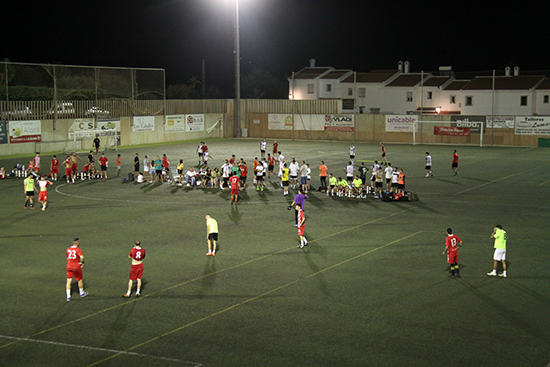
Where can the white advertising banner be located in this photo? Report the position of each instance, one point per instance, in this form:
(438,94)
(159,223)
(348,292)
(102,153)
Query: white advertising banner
(175,124)
(25,131)
(108,123)
(279,122)
(194,123)
(526,125)
(401,123)
(338,122)
(500,122)
(143,123)
(82,124)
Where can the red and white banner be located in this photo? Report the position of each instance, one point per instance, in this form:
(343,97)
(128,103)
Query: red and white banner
(451,130)
(25,131)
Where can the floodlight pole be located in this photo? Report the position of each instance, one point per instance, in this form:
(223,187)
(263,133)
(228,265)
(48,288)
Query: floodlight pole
(237,70)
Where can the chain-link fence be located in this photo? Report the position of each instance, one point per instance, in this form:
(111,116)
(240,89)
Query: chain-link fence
(50,91)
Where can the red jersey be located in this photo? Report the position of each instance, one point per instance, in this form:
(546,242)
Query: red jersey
(204,148)
(384,149)
(73,257)
(451,242)
(103,160)
(244,171)
(36,161)
(234,182)
(86,167)
(118,161)
(232,161)
(55,162)
(271,161)
(165,162)
(455,158)
(137,254)
(67,163)
(301,218)
(275,148)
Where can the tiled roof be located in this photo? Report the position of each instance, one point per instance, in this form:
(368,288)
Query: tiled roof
(375,76)
(406,80)
(311,73)
(335,74)
(456,85)
(503,82)
(544,85)
(436,81)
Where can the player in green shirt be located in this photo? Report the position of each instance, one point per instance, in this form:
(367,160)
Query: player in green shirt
(357,184)
(332,181)
(342,186)
(211,234)
(285,178)
(29,187)
(500,237)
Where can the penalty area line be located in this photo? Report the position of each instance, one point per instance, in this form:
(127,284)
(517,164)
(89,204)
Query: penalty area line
(118,352)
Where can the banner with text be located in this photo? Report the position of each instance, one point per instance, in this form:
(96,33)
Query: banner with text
(25,131)
(400,123)
(451,131)
(532,125)
(473,122)
(339,122)
(175,124)
(82,124)
(279,122)
(194,123)
(143,123)
(500,122)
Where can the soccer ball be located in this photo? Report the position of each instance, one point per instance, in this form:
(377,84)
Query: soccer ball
(188,184)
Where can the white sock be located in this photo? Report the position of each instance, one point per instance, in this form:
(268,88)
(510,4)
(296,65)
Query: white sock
(81,291)
(68,293)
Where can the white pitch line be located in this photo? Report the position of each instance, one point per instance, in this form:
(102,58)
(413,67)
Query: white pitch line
(98,349)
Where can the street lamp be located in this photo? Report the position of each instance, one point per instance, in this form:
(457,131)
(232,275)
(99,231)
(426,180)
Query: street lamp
(237,70)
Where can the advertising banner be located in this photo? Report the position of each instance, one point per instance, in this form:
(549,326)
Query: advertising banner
(526,125)
(82,124)
(473,122)
(279,122)
(175,124)
(339,123)
(3,133)
(25,131)
(451,131)
(108,123)
(400,123)
(143,123)
(194,123)
(500,122)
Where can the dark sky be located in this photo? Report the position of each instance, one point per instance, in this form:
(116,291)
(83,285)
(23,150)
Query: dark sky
(279,36)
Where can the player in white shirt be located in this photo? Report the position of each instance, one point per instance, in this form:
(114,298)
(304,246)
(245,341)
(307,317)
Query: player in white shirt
(352,153)
(294,168)
(395,180)
(375,167)
(260,172)
(226,172)
(350,170)
(428,165)
(263,145)
(389,172)
(281,163)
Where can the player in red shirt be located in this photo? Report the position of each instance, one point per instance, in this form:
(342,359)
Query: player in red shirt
(43,195)
(383,154)
(68,169)
(275,149)
(232,160)
(36,161)
(270,165)
(103,162)
(301,226)
(451,250)
(137,254)
(75,262)
(244,173)
(455,162)
(234,181)
(54,168)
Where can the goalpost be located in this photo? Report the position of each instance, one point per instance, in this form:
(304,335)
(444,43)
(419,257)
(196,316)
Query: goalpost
(419,133)
(110,141)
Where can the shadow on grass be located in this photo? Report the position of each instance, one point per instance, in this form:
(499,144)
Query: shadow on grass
(235,216)
(448,181)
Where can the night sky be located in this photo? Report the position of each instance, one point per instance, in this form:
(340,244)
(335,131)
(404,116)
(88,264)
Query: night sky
(280,36)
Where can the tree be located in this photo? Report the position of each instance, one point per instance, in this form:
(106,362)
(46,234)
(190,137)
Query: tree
(262,84)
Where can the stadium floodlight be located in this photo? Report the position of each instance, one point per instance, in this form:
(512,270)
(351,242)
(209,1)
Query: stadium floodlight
(237,70)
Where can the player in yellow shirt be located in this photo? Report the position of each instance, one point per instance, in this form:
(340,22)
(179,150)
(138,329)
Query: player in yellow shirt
(500,237)
(285,179)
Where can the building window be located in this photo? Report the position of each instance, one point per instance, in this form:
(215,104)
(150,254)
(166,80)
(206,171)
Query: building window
(469,101)
(523,101)
(329,87)
(409,96)
(310,88)
(350,91)
(545,99)
(452,99)
(362,93)
(429,96)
